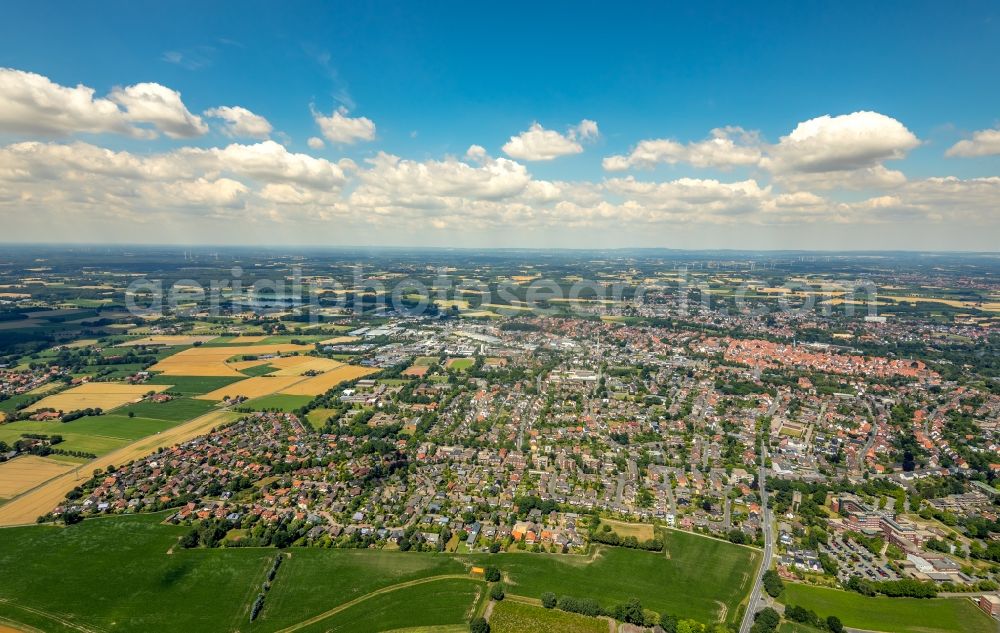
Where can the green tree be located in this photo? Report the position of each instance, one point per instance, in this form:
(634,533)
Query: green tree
(479,625)
(773,584)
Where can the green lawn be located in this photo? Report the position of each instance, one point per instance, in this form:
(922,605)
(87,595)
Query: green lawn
(282,402)
(318,417)
(435,604)
(178,409)
(893,615)
(91,434)
(193,385)
(699,573)
(517,617)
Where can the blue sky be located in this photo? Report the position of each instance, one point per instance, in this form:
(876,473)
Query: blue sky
(437,78)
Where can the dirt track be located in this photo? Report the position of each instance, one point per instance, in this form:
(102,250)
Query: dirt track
(41,500)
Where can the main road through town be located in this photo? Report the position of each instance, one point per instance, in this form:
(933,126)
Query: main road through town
(756,601)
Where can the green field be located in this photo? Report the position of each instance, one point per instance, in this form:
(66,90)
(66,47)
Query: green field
(318,417)
(315,580)
(91,434)
(258,370)
(518,617)
(683,584)
(795,627)
(461,364)
(441,603)
(178,409)
(279,401)
(10,404)
(893,615)
(133,584)
(115,574)
(193,385)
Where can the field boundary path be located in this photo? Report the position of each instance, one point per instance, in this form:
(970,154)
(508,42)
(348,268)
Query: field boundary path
(377,592)
(24,509)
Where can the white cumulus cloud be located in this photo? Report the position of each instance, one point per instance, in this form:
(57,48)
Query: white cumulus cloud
(240,122)
(719,151)
(841,143)
(982,143)
(342,129)
(537,143)
(33,104)
(160,106)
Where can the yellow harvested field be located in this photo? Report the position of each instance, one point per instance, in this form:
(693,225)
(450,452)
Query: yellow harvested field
(24,473)
(85,342)
(340,339)
(298,365)
(105,395)
(324,382)
(167,339)
(988,307)
(252,387)
(211,361)
(43,499)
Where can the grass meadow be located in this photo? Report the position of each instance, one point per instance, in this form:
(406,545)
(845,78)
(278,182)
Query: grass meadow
(893,615)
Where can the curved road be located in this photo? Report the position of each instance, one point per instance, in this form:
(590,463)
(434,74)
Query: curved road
(756,601)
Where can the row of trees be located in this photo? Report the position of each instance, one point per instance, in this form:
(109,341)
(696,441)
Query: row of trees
(905,588)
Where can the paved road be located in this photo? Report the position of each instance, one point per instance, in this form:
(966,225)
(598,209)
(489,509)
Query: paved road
(756,601)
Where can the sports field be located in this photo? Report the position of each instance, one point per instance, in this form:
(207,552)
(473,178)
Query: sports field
(24,473)
(517,617)
(891,615)
(41,500)
(460,364)
(104,395)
